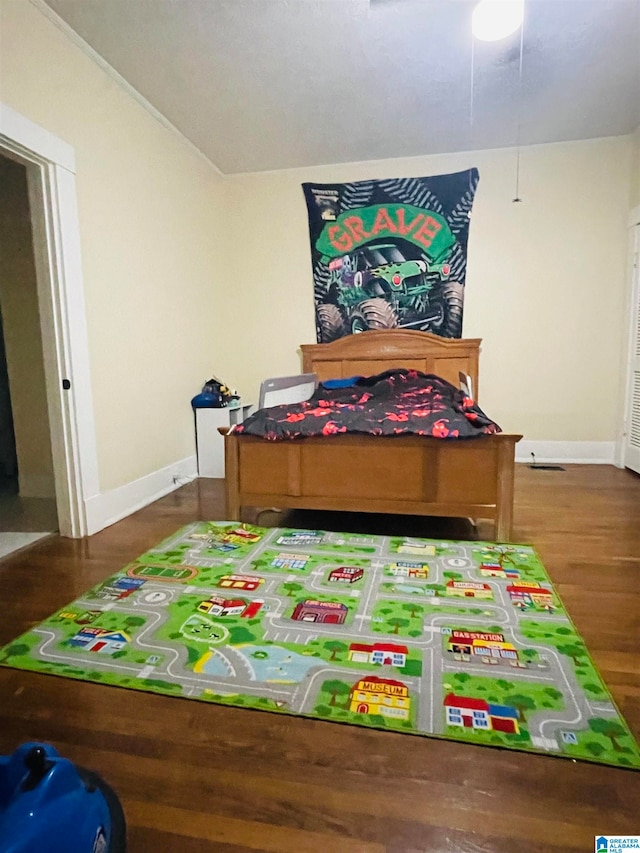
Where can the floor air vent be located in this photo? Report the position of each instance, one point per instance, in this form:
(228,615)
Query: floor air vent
(540,466)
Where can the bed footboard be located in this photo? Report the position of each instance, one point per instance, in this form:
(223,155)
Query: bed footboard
(412,475)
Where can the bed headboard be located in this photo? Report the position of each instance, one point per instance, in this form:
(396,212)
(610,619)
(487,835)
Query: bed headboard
(374,351)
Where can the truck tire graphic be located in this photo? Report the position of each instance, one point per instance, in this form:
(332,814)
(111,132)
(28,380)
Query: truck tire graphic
(379,314)
(330,322)
(357,322)
(449,300)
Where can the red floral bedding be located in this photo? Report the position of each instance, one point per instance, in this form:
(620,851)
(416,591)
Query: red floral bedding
(391,403)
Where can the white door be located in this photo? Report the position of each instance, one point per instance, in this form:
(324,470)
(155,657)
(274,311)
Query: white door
(632,432)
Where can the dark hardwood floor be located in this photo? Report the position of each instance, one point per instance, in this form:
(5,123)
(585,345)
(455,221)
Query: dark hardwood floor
(199,777)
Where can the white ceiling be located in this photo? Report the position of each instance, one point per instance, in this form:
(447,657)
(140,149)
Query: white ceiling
(274,84)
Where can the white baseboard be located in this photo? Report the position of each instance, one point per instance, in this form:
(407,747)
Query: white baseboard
(109,507)
(581,452)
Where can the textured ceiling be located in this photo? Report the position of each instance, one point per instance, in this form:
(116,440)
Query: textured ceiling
(274,84)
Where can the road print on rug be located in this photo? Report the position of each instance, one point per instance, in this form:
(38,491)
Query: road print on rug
(460,640)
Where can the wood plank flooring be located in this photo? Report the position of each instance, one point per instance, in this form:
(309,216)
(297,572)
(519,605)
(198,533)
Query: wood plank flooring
(196,777)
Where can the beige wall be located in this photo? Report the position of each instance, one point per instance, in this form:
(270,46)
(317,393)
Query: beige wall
(545,282)
(188,274)
(150,226)
(23,343)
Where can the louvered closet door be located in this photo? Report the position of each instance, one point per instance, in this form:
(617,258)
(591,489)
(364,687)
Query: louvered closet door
(632,440)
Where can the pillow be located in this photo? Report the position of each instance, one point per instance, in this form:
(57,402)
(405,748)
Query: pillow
(341,383)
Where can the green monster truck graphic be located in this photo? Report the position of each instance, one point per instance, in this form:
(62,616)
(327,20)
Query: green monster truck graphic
(394,272)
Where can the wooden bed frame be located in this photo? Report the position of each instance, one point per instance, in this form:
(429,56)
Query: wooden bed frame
(412,475)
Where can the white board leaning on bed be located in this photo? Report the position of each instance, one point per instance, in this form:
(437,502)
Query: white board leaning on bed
(282,390)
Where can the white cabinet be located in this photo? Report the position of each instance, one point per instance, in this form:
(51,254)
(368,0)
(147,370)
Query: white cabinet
(209,442)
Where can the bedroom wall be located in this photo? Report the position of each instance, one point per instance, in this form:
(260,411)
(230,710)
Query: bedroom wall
(151,216)
(545,282)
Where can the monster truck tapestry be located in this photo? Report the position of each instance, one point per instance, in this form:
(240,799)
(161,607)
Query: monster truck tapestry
(390,253)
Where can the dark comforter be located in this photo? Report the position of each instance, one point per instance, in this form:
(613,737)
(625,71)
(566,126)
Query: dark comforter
(391,403)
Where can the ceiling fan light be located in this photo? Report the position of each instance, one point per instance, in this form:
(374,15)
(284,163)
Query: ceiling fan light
(493,20)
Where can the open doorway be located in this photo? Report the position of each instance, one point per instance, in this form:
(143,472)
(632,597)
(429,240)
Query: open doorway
(27,482)
(51,182)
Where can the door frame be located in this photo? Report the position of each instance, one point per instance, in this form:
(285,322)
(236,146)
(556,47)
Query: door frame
(632,300)
(50,165)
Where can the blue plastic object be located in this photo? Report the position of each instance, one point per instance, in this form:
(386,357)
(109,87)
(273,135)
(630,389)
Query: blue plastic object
(208,401)
(341,383)
(49,804)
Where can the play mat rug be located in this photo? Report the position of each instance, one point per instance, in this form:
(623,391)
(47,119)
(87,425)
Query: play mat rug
(461,640)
